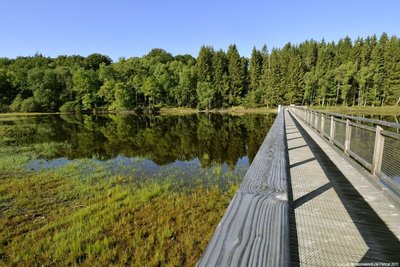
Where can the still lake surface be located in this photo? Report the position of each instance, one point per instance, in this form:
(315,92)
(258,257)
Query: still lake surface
(213,148)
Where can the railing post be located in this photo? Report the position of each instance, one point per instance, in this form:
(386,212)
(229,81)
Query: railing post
(322,124)
(307,112)
(378,151)
(332,133)
(314,119)
(347,137)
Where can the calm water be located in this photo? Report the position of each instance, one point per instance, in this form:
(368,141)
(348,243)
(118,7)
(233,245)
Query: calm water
(217,148)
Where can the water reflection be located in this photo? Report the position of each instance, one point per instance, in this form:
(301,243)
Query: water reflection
(161,139)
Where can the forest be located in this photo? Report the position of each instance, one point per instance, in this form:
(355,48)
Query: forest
(363,72)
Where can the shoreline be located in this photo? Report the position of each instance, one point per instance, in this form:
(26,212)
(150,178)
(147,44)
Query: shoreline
(351,110)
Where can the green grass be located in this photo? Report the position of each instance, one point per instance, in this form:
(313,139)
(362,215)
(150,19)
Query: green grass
(362,110)
(238,110)
(81,214)
(48,219)
(178,111)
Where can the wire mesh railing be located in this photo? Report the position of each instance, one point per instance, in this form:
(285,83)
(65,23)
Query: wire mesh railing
(326,128)
(372,143)
(340,132)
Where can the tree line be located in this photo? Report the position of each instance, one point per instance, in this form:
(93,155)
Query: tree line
(361,72)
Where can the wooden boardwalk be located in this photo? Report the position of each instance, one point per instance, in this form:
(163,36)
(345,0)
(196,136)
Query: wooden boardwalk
(303,203)
(254,230)
(338,217)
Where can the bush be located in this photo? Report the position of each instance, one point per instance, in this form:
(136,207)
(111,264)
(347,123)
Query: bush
(4,108)
(71,106)
(16,104)
(29,105)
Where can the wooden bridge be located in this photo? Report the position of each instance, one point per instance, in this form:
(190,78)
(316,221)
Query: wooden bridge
(323,190)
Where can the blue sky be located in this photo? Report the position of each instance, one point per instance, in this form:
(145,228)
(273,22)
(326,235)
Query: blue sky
(123,28)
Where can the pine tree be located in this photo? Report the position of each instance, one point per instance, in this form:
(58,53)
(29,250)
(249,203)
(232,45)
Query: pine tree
(220,66)
(265,76)
(205,73)
(236,76)
(391,89)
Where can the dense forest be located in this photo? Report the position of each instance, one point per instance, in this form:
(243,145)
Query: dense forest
(361,72)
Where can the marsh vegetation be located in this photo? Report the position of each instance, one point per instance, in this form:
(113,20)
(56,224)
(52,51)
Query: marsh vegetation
(119,189)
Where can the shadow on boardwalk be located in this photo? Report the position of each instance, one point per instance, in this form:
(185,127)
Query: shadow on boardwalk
(383,245)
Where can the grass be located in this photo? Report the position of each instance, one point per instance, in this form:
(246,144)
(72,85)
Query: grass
(47,219)
(82,214)
(362,110)
(239,110)
(17,115)
(178,111)
(11,114)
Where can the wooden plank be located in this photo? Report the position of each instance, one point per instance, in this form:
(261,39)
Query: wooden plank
(254,230)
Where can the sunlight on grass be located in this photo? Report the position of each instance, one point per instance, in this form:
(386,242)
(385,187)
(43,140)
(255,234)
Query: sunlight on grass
(48,219)
(62,202)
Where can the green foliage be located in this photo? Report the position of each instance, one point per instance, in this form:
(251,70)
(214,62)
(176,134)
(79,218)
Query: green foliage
(71,106)
(29,105)
(363,72)
(236,76)
(205,76)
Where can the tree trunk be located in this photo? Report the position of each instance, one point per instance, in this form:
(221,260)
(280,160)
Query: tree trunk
(337,95)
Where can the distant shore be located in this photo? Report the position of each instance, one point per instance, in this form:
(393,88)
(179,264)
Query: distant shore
(353,110)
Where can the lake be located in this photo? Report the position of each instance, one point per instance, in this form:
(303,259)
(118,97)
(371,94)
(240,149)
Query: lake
(107,189)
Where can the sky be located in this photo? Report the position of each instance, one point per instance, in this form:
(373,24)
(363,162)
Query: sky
(128,28)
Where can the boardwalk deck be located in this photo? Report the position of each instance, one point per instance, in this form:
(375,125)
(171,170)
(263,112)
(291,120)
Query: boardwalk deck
(302,203)
(255,228)
(338,217)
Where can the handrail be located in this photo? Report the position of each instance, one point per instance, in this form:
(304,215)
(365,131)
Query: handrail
(355,118)
(374,148)
(254,230)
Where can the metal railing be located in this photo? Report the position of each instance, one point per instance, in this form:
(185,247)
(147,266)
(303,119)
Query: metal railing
(369,142)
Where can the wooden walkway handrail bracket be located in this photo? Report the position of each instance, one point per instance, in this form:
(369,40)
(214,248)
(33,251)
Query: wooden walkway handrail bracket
(254,230)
